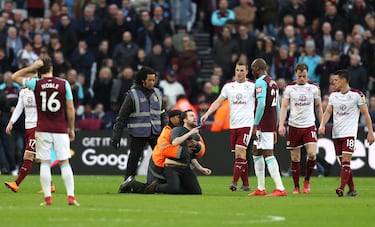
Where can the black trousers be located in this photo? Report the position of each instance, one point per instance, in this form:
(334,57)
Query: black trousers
(179,181)
(137,145)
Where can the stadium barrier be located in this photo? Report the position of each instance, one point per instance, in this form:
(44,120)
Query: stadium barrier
(93,154)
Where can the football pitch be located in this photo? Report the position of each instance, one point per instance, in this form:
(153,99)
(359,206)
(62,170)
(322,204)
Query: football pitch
(102,206)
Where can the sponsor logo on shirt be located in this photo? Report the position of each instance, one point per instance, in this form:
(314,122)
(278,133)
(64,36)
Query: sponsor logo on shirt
(258,90)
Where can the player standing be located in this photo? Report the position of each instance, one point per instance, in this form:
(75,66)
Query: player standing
(345,104)
(53,96)
(240,94)
(264,130)
(301,96)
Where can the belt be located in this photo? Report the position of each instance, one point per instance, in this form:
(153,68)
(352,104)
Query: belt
(175,166)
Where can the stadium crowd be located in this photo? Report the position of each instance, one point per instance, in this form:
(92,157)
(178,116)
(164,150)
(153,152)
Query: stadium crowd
(98,45)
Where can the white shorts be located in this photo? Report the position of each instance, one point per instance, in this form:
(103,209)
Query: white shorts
(45,141)
(265,140)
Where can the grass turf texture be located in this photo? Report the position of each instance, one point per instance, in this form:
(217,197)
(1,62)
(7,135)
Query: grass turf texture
(102,206)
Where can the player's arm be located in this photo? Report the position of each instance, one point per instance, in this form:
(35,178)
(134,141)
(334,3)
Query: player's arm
(261,92)
(327,114)
(283,112)
(19,76)
(214,106)
(165,147)
(370,132)
(203,170)
(200,148)
(319,109)
(15,115)
(70,111)
(180,139)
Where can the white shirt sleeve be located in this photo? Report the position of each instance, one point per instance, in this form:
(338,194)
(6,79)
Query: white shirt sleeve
(18,110)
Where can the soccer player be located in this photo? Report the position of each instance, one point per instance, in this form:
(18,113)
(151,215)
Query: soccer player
(264,130)
(53,97)
(26,102)
(240,94)
(345,104)
(301,96)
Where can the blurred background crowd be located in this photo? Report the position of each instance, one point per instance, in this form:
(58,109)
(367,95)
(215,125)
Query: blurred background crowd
(98,46)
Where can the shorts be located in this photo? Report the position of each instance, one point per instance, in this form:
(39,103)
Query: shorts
(344,145)
(45,141)
(30,140)
(265,141)
(298,137)
(240,137)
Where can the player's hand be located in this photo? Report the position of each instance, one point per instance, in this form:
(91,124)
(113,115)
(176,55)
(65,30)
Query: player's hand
(282,130)
(203,118)
(206,171)
(321,130)
(9,128)
(38,63)
(194,131)
(72,134)
(192,143)
(115,143)
(254,135)
(370,138)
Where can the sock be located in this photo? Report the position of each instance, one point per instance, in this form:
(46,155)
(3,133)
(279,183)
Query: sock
(237,169)
(67,176)
(296,172)
(345,174)
(259,168)
(273,169)
(309,168)
(350,181)
(45,178)
(245,173)
(24,170)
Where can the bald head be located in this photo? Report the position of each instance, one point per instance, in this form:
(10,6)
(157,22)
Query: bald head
(258,67)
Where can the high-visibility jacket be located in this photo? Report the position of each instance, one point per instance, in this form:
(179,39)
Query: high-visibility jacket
(221,119)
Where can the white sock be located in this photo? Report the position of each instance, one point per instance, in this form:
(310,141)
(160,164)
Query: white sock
(67,176)
(45,178)
(259,168)
(273,169)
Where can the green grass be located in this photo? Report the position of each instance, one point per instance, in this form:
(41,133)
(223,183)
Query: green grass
(102,206)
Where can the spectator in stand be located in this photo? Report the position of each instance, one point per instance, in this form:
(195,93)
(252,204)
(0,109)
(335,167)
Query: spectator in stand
(269,50)
(208,93)
(125,52)
(302,28)
(35,8)
(293,8)
(88,120)
(101,9)
(5,61)
(221,120)
(145,32)
(245,14)
(121,84)
(88,93)
(37,43)
(324,41)
(82,61)
(246,42)
(13,45)
(162,25)
(267,14)
(54,44)
(358,74)
(182,13)
(157,60)
(183,104)
(357,13)
(60,65)
(290,36)
(180,38)
(340,41)
(328,64)
(67,36)
(169,50)
(90,29)
(25,31)
(3,31)
(8,9)
(331,16)
(215,81)
(225,52)
(171,87)
(77,90)
(102,88)
(220,16)
(27,53)
(140,59)
(188,68)
(117,28)
(56,12)
(130,14)
(312,59)
(47,31)
(283,64)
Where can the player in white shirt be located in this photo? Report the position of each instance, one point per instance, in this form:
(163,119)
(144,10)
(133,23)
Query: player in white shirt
(346,104)
(241,97)
(301,97)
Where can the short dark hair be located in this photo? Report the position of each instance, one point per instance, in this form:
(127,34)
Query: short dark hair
(141,75)
(184,113)
(301,66)
(244,63)
(47,65)
(343,73)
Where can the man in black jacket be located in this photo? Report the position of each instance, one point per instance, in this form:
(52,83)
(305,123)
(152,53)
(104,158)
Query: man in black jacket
(141,114)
